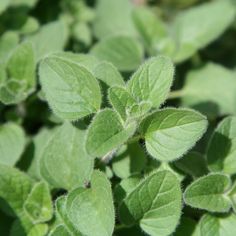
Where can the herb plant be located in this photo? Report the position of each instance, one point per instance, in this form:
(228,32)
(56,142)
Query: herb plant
(117,118)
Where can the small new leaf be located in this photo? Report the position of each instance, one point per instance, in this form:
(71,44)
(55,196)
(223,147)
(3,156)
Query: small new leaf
(38,205)
(107,132)
(152,81)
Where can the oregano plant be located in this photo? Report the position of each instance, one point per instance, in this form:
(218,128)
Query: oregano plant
(117,118)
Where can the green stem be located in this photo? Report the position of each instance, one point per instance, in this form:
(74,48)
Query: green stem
(119,227)
(176,94)
(135,139)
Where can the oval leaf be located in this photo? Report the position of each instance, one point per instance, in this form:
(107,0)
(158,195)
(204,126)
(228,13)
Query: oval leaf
(152,81)
(208,193)
(155,203)
(71,90)
(169,133)
(106,133)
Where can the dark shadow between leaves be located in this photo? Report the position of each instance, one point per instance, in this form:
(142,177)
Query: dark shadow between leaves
(218,151)
(208,108)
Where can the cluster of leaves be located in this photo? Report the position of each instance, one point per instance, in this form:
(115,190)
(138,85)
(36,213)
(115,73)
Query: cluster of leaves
(101,106)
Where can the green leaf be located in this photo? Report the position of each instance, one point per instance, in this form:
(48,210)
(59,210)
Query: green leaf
(125,52)
(107,132)
(3,5)
(21,81)
(208,192)
(118,23)
(91,211)
(62,217)
(60,230)
(193,164)
(14,187)
(88,61)
(38,230)
(30,26)
(217,225)
(35,149)
(121,100)
(155,203)
(108,74)
(150,27)
(152,81)
(232,196)
(38,206)
(221,150)
(70,89)
(8,42)
(12,143)
(169,133)
(203,90)
(65,163)
(50,38)
(191,35)
(125,187)
(130,159)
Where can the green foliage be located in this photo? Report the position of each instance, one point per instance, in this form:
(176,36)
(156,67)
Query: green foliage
(64,162)
(170,132)
(12,142)
(155,203)
(208,192)
(222,147)
(117,118)
(68,93)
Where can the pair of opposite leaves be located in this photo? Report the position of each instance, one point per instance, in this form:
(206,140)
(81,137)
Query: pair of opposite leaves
(72,90)
(153,203)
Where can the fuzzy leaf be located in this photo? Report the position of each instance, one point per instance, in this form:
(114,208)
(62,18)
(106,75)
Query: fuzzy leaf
(217,225)
(221,151)
(152,81)
(155,203)
(108,74)
(208,193)
(123,51)
(169,133)
(88,61)
(91,211)
(38,205)
(121,100)
(106,133)
(14,187)
(65,163)
(70,89)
